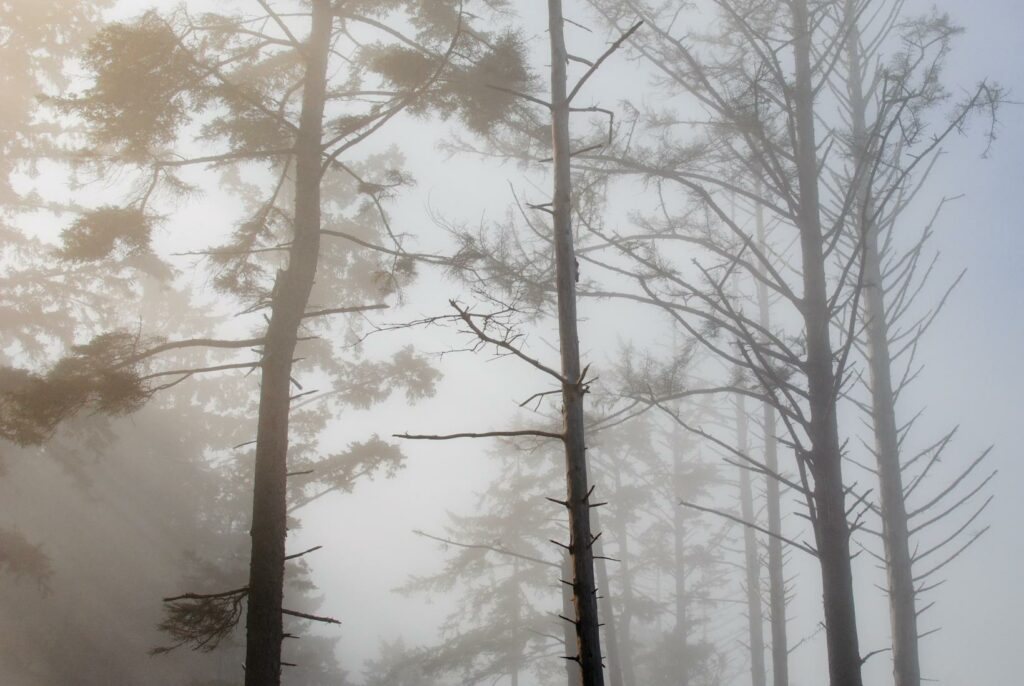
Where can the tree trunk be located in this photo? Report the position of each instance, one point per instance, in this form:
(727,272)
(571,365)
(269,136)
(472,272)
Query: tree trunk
(288,305)
(612,642)
(755,616)
(516,654)
(832,533)
(776,570)
(900,576)
(682,628)
(577,497)
(624,626)
(572,668)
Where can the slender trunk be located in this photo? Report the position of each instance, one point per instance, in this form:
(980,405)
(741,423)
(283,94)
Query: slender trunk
(624,626)
(900,576)
(755,616)
(682,628)
(832,533)
(288,305)
(605,606)
(516,655)
(572,668)
(776,570)
(577,497)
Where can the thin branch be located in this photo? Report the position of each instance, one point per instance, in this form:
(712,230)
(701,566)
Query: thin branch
(738,520)
(485,434)
(600,60)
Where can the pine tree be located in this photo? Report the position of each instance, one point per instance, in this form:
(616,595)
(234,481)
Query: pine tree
(170,94)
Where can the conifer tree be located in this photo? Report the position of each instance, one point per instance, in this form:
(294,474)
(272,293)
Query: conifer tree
(286,92)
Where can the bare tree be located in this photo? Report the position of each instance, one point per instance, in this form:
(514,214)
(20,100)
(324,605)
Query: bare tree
(577,499)
(773,504)
(752,562)
(901,90)
(763,117)
(571,375)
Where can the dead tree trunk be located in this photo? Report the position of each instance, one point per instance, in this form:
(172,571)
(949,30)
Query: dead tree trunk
(776,570)
(577,497)
(831,529)
(288,304)
(572,668)
(755,615)
(895,537)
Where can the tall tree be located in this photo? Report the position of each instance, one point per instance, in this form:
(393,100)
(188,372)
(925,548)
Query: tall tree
(751,557)
(571,374)
(289,299)
(162,86)
(757,81)
(773,505)
(887,173)
(577,500)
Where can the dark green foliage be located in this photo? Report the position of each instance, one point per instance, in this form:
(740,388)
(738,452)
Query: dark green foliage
(401,66)
(201,622)
(99,374)
(476,92)
(238,270)
(247,126)
(143,90)
(98,233)
(481,104)
(341,471)
(364,383)
(39,37)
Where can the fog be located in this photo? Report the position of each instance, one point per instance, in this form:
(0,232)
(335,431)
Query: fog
(180,394)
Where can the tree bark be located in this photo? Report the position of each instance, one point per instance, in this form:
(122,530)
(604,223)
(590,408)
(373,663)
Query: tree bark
(755,615)
(577,497)
(776,570)
(572,668)
(895,537)
(612,642)
(832,533)
(288,303)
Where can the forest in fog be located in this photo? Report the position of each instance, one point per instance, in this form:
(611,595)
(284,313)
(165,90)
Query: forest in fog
(510,342)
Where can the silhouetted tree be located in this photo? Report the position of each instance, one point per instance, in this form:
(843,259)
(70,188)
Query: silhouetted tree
(503,569)
(163,85)
(898,93)
(495,329)
(756,78)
